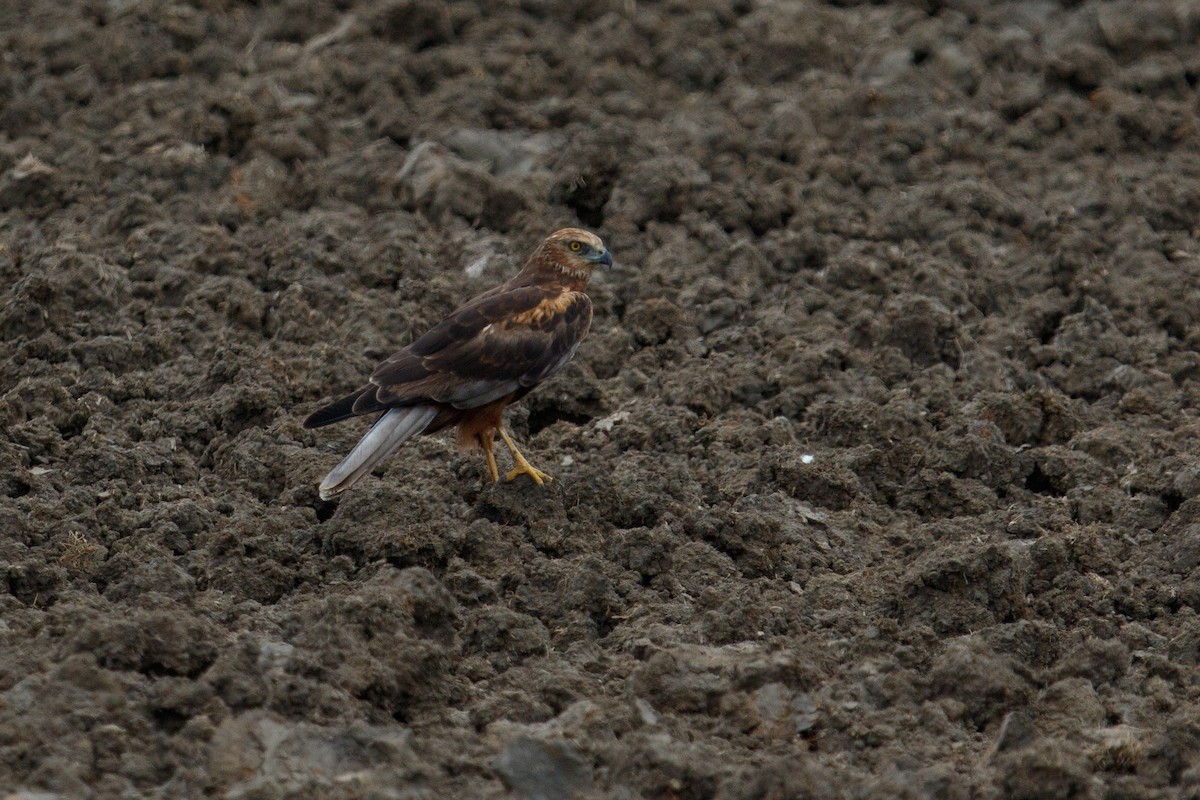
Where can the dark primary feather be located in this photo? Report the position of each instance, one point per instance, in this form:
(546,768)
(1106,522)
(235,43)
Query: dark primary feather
(464,363)
(338,410)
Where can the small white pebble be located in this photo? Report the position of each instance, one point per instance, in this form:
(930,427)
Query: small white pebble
(476,267)
(608,422)
(646,712)
(807,458)
(30,165)
(567,461)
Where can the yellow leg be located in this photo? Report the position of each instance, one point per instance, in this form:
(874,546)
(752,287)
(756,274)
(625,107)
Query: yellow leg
(486,444)
(522,467)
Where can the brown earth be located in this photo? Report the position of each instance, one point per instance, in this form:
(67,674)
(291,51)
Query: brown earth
(878,476)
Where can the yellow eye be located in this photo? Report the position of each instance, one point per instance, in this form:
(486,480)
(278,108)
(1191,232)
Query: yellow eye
(575,247)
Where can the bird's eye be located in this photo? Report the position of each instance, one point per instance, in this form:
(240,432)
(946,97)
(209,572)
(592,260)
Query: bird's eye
(575,247)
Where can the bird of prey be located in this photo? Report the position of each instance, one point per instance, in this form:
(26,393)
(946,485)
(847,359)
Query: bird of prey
(491,352)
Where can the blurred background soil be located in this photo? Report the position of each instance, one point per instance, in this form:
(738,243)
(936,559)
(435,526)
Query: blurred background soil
(877,476)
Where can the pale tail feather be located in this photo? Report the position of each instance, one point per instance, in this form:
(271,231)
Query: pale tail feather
(393,429)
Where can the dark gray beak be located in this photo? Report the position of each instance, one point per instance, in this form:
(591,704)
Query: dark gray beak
(604,258)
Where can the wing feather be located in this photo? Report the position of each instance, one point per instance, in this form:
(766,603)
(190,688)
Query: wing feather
(503,341)
(492,347)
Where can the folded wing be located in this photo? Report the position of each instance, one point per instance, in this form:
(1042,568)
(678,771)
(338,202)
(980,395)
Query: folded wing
(498,344)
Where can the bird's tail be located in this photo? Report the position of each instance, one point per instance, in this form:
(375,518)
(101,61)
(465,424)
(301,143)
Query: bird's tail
(391,430)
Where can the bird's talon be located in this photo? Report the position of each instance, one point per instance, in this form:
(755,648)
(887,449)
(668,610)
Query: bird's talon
(521,464)
(533,472)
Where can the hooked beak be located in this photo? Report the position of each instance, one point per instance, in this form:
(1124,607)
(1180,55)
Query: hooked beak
(604,258)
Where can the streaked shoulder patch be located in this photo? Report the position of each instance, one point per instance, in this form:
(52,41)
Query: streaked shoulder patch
(547,310)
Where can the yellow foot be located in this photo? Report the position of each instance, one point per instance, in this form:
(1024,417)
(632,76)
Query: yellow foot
(526,468)
(521,465)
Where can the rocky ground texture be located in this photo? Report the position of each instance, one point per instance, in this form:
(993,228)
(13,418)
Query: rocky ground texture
(878,476)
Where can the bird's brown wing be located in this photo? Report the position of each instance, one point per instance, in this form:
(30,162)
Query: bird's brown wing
(493,346)
(407,379)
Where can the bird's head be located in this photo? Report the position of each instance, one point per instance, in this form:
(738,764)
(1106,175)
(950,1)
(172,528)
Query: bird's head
(574,253)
